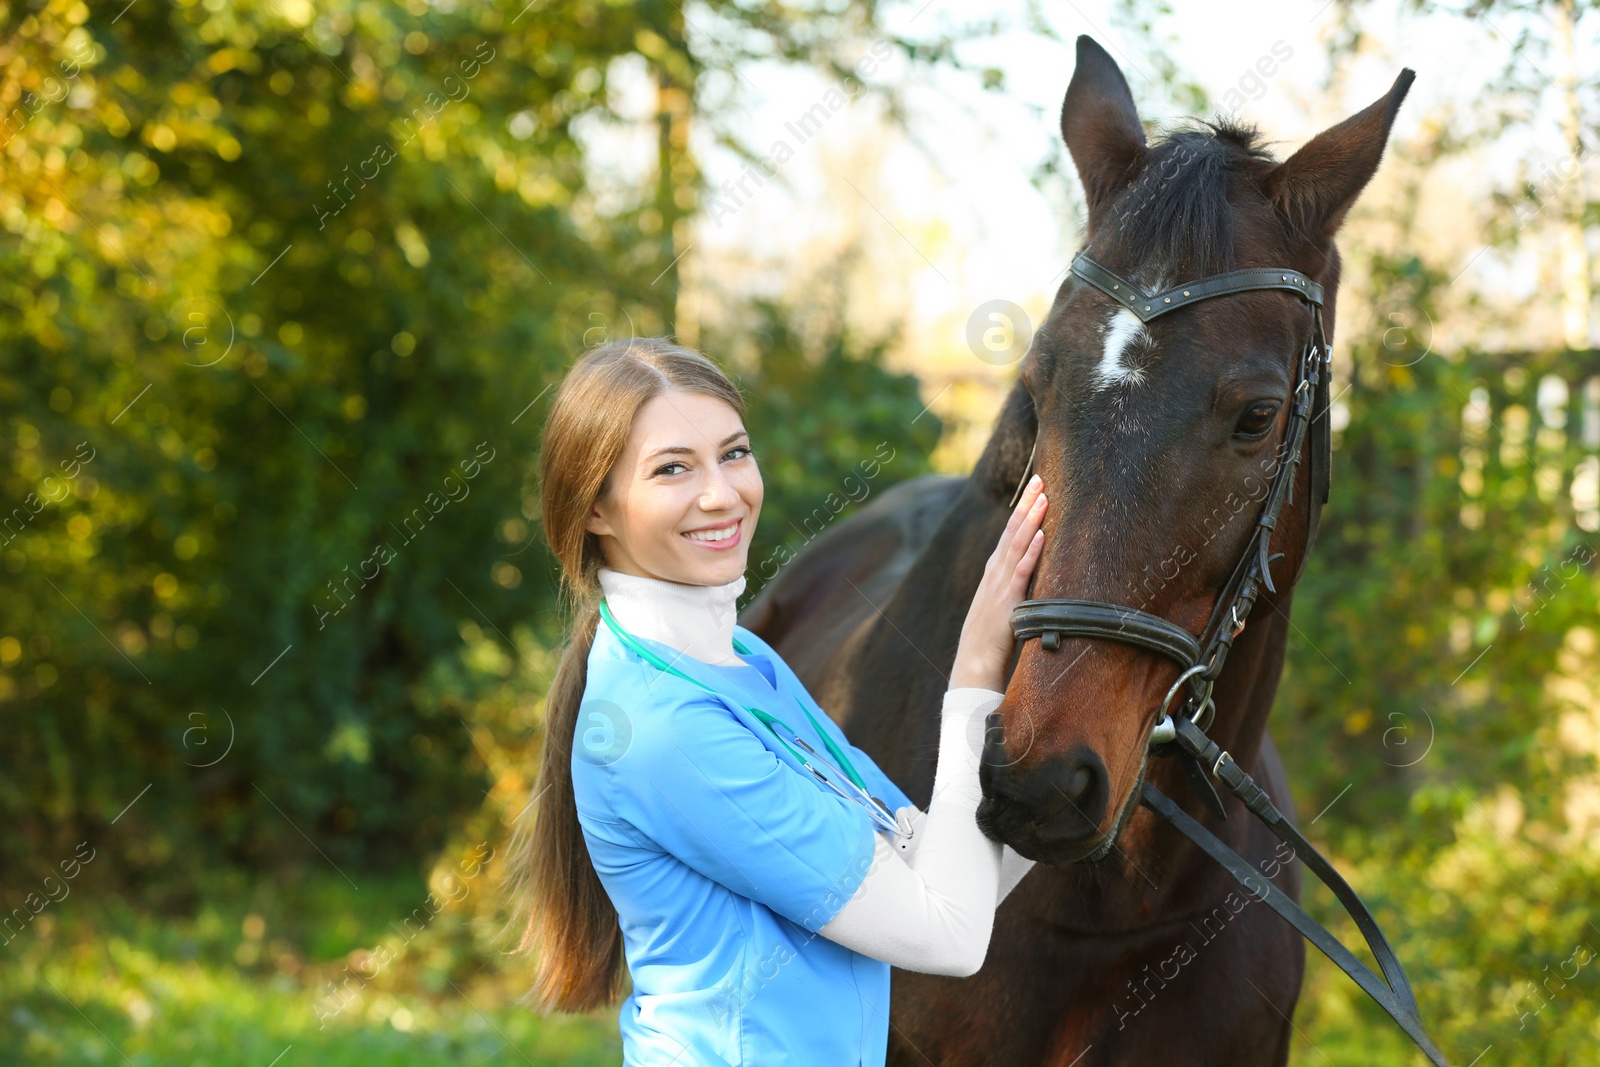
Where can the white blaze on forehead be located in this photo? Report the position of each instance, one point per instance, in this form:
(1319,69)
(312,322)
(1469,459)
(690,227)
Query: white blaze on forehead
(1123,334)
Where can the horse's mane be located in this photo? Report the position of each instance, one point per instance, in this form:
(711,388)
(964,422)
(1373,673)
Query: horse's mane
(1176,212)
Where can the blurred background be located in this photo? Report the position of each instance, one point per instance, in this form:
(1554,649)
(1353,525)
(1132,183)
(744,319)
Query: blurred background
(285,288)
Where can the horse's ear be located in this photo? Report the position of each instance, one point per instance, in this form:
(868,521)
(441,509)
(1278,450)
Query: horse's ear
(1100,126)
(1314,188)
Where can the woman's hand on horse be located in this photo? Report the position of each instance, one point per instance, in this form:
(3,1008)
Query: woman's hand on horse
(986,638)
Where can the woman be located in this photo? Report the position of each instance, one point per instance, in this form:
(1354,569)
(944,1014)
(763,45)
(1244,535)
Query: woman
(700,818)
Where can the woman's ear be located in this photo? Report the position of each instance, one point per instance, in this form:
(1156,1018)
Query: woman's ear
(596,522)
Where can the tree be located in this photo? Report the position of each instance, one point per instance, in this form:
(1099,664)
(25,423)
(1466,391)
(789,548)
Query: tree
(284,286)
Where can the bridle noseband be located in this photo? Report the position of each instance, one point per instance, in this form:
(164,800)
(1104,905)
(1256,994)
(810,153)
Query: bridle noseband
(1182,732)
(1200,658)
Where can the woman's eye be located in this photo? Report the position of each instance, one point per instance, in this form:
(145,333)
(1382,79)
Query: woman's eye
(1256,420)
(737,448)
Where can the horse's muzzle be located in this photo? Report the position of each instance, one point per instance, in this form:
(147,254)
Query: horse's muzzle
(1052,811)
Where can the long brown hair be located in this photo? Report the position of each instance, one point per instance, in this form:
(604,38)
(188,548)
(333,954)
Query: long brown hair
(566,920)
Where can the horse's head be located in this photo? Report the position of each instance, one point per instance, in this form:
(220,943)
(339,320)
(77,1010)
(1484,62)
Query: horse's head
(1158,440)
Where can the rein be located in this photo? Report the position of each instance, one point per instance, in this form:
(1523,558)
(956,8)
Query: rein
(1180,732)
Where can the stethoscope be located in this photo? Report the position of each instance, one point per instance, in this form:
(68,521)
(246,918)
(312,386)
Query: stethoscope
(877,810)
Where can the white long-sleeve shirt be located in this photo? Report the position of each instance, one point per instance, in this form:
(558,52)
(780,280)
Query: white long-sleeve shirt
(927,903)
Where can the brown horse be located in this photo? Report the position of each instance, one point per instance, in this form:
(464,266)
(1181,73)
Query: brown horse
(1126,945)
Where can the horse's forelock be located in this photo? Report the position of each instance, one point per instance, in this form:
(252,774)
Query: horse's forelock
(1175,219)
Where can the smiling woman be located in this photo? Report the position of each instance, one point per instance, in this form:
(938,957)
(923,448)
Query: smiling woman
(683,828)
(670,522)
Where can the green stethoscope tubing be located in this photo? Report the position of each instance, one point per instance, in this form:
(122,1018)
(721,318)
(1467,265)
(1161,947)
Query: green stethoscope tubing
(874,806)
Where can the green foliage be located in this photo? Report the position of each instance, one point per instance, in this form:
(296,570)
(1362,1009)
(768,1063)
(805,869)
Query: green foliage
(1451,570)
(284,288)
(295,418)
(1444,669)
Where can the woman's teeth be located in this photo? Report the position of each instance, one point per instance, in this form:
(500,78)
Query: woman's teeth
(714,535)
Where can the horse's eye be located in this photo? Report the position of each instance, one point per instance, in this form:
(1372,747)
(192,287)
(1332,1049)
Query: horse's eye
(1256,420)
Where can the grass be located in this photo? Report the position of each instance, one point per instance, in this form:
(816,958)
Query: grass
(227,971)
(243,979)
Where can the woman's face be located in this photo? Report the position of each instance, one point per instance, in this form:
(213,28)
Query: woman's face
(687,469)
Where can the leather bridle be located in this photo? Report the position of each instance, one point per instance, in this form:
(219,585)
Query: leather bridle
(1180,731)
(1201,658)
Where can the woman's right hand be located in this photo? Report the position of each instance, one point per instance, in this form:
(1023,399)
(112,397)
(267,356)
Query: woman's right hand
(984,650)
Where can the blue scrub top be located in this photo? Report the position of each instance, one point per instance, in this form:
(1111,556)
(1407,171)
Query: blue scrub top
(723,857)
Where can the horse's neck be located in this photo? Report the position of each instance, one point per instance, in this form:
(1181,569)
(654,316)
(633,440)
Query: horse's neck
(896,719)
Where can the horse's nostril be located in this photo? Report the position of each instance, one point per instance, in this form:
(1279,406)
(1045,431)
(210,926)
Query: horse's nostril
(1080,789)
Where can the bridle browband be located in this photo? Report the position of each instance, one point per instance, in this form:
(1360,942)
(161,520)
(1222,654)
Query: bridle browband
(1180,732)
